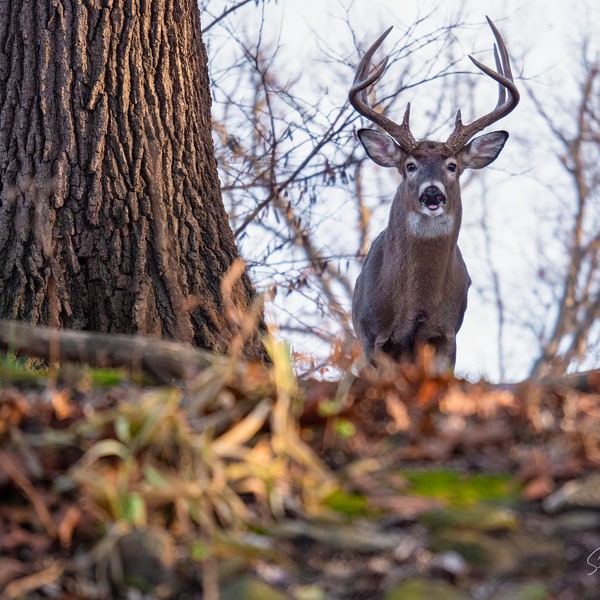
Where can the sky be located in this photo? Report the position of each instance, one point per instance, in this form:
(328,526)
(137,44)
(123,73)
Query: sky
(542,37)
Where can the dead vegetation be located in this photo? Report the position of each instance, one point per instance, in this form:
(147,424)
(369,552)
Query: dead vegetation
(235,479)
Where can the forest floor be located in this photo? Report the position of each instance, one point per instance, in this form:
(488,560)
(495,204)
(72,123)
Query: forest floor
(242,482)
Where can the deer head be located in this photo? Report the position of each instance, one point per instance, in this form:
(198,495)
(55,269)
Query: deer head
(412,289)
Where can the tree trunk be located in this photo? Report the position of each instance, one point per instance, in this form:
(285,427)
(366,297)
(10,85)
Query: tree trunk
(111,216)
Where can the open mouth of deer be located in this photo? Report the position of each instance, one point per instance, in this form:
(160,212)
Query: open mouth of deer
(433,199)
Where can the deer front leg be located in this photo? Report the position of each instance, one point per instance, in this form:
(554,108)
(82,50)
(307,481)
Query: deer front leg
(443,344)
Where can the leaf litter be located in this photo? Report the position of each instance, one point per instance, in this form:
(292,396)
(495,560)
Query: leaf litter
(388,484)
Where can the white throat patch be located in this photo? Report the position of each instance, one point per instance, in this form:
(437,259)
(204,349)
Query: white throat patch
(430,226)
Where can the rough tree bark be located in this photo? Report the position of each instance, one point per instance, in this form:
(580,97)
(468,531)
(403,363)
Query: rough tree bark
(111,216)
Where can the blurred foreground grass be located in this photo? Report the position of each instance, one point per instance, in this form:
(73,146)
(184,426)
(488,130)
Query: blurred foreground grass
(244,482)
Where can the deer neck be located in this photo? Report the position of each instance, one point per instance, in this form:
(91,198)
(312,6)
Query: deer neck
(423,248)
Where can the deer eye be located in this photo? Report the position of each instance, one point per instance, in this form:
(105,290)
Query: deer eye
(411,167)
(452,166)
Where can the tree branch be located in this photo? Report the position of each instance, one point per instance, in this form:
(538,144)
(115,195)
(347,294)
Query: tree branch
(163,360)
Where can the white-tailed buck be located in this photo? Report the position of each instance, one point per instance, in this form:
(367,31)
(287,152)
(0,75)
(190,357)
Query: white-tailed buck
(412,290)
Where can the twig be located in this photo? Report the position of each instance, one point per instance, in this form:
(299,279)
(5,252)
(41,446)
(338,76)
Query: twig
(13,471)
(162,359)
(224,14)
(19,588)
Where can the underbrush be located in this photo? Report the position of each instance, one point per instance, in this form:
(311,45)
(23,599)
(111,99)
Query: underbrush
(243,480)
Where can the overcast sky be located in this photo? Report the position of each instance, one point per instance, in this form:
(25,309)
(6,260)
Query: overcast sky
(542,37)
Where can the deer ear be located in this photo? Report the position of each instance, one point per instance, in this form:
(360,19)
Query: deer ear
(380,147)
(483,150)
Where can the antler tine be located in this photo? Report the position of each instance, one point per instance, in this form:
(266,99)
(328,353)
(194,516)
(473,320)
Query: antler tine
(505,65)
(508,95)
(358,98)
(365,63)
(500,69)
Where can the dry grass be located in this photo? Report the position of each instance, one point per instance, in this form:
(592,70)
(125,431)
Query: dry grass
(114,490)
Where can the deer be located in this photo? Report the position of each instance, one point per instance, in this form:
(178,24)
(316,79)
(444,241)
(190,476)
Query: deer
(411,292)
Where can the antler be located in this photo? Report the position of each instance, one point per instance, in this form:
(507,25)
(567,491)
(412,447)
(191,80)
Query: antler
(358,98)
(506,103)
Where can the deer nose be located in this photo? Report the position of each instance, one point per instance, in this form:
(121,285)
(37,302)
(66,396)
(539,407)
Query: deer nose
(432,197)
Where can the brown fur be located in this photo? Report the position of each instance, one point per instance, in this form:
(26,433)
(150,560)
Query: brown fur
(412,290)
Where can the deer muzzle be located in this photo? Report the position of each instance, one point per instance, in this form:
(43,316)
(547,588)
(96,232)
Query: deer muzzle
(432,198)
